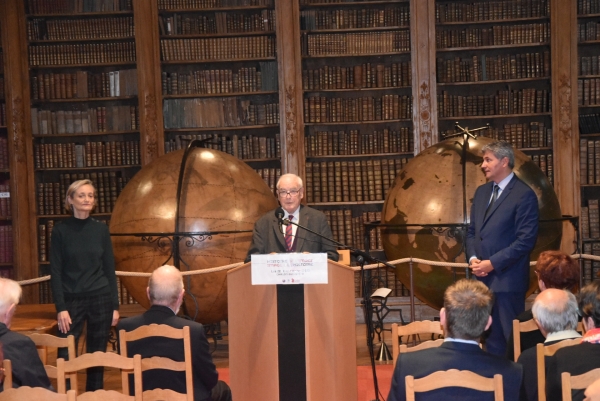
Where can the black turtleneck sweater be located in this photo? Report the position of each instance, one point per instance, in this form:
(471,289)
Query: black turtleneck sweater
(82,263)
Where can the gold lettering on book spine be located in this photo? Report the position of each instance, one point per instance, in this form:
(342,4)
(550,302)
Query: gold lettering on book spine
(290,119)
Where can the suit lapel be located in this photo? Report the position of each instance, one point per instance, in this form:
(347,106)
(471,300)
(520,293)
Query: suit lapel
(304,218)
(279,234)
(503,195)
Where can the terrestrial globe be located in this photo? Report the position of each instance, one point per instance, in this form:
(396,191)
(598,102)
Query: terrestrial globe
(429,191)
(220,193)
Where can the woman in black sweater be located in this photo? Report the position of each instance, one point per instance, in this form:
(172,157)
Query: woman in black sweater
(83,280)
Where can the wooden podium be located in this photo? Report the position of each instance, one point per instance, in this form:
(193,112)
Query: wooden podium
(292,342)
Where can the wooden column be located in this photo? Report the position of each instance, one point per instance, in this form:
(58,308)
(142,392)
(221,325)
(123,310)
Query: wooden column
(147,47)
(565,119)
(22,189)
(424,91)
(289,63)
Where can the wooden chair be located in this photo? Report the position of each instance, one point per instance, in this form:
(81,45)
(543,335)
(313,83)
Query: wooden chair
(541,352)
(454,378)
(424,345)
(578,382)
(7,366)
(412,329)
(518,328)
(104,359)
(35,394)
(157,362)
(43,341)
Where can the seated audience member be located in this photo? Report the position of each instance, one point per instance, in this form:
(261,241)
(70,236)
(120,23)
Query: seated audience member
(465,316)
(27,368)
(554,269)
(592,393)
(555,313)
(583,357)
(165,291)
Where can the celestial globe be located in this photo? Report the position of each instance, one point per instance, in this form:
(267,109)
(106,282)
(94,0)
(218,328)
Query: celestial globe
(429,191)
(220,193)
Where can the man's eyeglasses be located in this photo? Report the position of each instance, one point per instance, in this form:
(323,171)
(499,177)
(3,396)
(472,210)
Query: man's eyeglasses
(293,193)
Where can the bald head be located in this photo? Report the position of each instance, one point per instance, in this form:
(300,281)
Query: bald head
(10,294)
(165,287)
(555,310)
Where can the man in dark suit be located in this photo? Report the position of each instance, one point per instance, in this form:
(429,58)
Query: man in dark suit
(165,291)
(555,312)
(581,358)
(502,232)
(465,316)
(271,236)
(27,368)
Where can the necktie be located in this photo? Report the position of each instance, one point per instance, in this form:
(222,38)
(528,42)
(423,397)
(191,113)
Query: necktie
(289,239)
(493,200)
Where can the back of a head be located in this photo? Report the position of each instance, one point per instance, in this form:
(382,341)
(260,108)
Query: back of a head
(589,302)
(468,304)
(10,293)
(165,285)
(555,310)
(558,270)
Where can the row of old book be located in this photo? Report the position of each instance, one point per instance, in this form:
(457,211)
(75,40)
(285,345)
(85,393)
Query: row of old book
(3,115)
(350,230)
(351,181)
(77,6)
(591,268)
(217,23)
(6,272)
(589,123)
(83,85)
(88,154)
(588,65)
(546,164)
(5,209)
(534,134)
(201,4)
(355,43)
(590,220)
(82,53)
(588,91)
(88,120)
(270,176)
(493,68)
(227,48)
(217,112)
(243,80)
(3,151)
(589,161)
(6,243)
(494,36)
(2,93)
(353,142)
(358,76)
(74,29)
(505,102)
(588,7)
(109,184)
(490,10)
(321,109)
(394,15)
(588,31)
(243,147)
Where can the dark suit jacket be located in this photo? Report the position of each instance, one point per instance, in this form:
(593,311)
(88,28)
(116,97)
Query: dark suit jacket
(205,373)
(506,236)
(576,360)
(27,368)
(268,237)
(455,355)
(529,339)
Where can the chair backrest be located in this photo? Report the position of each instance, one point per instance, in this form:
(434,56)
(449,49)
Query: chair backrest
(35,394)
(518,328)
(157,362)
(7,366)
(543,351)
(414,328)
(106,395)
(424,345)
(580,327)
(578,382)
(104,359)
(43,341)
(454,378)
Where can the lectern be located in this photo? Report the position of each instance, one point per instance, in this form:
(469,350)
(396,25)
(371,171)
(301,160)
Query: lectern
(292,342)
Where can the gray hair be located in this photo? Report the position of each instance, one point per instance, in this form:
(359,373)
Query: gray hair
(289,175)
(10,293)
(165,285)
(557,315)
(468,305)
(501,149)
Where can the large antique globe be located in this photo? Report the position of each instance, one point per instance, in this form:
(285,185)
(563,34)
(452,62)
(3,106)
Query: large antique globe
(219,194)
(429,191)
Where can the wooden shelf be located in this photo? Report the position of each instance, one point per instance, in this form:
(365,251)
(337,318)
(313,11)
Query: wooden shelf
(195,95)
(349,3)
(493,116)
(387,88)
(590,106)
(355,55)
(494,21)
(129,166)
(4,170)
(355,203)
(233,60)
(374,29)
(237,128)
(588,76)
(89,65)
(217,35)
(359,122)
(500,81)
(91,14)
(368,155)
(162,11)
(41,136)
(66,216)
(492,47)
(597,15)
(86,40)
(589,42)
(82,100)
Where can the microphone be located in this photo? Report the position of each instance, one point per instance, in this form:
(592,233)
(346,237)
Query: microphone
(279,214)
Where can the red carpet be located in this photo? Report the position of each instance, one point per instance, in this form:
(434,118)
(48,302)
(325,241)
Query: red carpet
(366,390)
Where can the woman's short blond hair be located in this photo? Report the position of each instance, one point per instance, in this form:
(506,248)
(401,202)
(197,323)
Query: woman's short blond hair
(73,188)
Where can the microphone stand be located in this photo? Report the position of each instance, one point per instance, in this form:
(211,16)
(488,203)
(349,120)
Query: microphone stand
(361,257)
